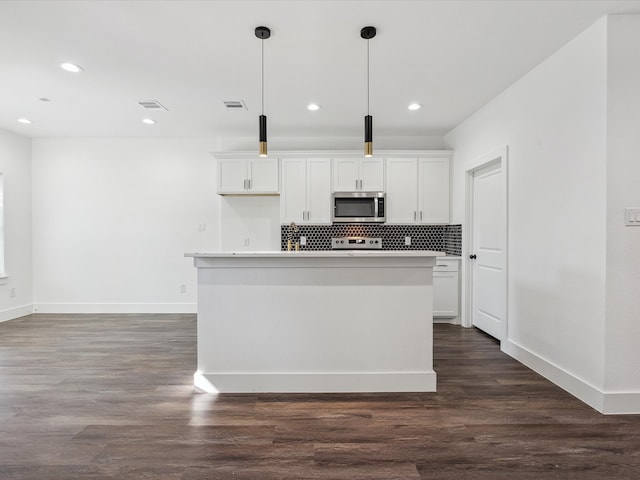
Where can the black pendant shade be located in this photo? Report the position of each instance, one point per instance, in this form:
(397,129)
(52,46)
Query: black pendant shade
(368,136)
(262,120)
(262,33)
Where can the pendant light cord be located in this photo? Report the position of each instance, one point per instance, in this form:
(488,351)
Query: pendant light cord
(367,77)
(262,47)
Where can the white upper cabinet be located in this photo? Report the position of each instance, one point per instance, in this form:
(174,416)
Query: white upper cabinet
(402,190)
(252,176)
(358,174)
(306,190)
(417,190)
(319,190)
(433,190)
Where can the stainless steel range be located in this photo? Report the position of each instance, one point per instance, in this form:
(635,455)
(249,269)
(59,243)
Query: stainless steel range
(356,243)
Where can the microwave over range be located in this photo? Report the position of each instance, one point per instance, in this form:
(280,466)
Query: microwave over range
(358,207)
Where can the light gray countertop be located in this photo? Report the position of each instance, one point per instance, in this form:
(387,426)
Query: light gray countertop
(321,254)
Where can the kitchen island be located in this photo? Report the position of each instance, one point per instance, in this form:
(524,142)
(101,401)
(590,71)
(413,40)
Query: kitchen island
(337,321)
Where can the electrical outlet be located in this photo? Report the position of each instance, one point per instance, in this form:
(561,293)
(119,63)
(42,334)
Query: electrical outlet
(12,292)
(183,289)
(202,227)
(407,241)
(303,241)
(247,240)
(632,216)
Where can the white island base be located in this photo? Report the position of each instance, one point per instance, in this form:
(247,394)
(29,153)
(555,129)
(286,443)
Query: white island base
(315,322)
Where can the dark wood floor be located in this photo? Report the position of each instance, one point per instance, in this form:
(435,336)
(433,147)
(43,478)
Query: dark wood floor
(110,397)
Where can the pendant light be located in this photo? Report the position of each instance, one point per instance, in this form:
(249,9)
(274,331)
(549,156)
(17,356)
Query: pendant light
(262,33)
(368,33)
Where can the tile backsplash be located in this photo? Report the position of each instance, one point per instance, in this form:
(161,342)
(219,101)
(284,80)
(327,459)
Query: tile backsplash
(443,238)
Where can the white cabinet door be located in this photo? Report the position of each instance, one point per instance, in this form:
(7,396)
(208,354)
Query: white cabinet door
(306,190)
(358,174)
(433,193)
(232,176)
(319,190)
(263,175)
(371,175)
(345,174)
(446,289)
(255,176)
(445,294)
(402,190)
(294,190)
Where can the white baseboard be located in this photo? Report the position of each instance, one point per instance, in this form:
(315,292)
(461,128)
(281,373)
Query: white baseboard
(315,382)
(622,403)
(608,403)
(115,308)
(577,387)
(15,312)
(448,321)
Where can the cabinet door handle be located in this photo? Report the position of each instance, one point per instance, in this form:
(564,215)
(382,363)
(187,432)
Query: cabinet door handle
(244,184)
(249,182)
(420,215)
(308,215)
(360,184)
(414,215)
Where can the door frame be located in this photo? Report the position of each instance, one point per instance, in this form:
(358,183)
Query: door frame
(497,156)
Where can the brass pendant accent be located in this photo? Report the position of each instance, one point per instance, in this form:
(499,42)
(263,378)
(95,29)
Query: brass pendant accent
(263,149)
(368,149)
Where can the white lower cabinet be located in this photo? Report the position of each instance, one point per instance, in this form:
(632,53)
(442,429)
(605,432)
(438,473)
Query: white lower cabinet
(446,288)
(305,195)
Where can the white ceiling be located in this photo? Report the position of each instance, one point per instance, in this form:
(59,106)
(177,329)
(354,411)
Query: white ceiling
(451,56)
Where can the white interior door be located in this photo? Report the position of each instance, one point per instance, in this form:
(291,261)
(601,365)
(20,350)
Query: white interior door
(487,253)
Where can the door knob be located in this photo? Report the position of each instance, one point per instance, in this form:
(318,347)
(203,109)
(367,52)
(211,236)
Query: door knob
(472,256)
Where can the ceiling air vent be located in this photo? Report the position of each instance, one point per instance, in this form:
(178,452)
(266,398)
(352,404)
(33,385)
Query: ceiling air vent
(235,105)
(152,105)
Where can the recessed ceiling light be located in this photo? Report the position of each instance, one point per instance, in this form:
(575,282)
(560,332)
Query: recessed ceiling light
(415,106)
(148,121)
(71,67)
(313,107)
(24,120)
(44,99)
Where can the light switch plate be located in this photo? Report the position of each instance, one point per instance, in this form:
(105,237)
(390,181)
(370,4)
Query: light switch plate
(632,216)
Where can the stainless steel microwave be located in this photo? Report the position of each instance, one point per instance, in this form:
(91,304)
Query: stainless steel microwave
(358,207)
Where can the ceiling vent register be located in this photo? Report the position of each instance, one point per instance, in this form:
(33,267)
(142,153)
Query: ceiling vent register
(152,105)
(235,105)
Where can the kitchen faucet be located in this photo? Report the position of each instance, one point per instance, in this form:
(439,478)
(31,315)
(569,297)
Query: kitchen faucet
(293,228)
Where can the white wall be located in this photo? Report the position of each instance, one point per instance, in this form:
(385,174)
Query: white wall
(15,164)
(554,122)
(112,219)
(623,181)
(250,223)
